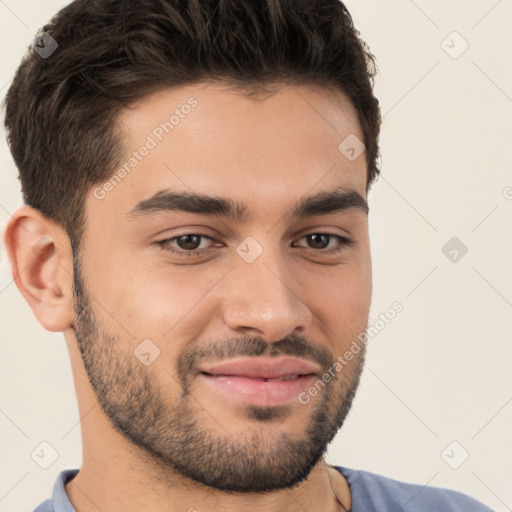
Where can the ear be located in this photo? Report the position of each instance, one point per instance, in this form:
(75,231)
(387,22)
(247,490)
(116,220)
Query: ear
(42,266)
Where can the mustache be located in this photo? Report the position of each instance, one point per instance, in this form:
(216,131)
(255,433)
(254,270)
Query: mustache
(247,346)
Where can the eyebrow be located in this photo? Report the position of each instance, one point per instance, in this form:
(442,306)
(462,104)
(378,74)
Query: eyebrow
(322,203)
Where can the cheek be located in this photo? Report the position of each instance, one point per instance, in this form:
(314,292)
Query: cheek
(347,294)
(162,300)
(341,299)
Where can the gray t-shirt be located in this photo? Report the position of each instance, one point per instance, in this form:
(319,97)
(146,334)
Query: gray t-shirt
(370,493)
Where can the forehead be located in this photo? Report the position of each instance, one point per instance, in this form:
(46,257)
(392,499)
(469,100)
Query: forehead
(265,149)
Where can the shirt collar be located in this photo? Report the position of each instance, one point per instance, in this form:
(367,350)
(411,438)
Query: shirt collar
(60,499)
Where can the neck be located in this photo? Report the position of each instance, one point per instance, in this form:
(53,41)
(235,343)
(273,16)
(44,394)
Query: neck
(125,483)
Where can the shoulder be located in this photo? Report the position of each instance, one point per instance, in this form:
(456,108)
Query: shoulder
(46,506)
(382,493)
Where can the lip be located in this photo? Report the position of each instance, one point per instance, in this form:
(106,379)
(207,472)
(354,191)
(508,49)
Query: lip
(258,391)
(244,379)
(262,367)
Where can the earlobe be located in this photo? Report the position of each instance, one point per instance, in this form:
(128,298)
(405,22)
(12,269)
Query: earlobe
(41,262)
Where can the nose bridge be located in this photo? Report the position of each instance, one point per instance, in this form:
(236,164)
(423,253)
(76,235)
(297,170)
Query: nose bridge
(262,295)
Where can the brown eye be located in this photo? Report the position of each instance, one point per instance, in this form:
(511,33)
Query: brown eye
(185,245)
(188,242)
(322,241)
(318,241)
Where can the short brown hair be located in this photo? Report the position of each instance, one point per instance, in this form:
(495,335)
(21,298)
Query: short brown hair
(61,111)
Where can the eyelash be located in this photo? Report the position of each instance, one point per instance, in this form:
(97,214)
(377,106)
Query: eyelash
(164,244)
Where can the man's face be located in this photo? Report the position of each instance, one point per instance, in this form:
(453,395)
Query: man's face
(274,283)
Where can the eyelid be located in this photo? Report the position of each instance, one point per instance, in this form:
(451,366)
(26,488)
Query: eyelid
(343,242)
(165,242)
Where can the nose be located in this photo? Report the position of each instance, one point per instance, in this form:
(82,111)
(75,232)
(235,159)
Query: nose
(262,299)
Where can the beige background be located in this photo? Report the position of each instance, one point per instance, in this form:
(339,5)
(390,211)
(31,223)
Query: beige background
(440,371)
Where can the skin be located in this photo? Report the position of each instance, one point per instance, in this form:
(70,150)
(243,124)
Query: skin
(267,152)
